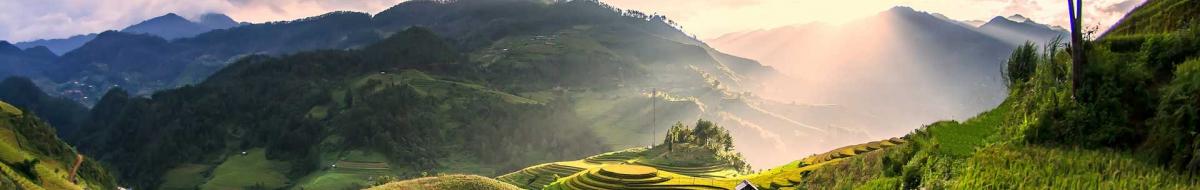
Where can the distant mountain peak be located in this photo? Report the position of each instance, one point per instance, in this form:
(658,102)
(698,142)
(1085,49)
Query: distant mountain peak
(6,47)
(169,26)
(902,9)
(217,21)
(1018,18)
(169,16)
(999,19)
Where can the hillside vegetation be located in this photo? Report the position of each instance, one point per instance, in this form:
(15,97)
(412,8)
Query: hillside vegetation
(1130,125)
(699,152)
(32,157)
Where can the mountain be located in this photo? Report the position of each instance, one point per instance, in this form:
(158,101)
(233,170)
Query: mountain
(217,21)
(1128,125)
(1016,30)
(60,46)
(35,158)
(143,64)
(881,69)
(62,113)
(31,61)
(467,91)
(169,26)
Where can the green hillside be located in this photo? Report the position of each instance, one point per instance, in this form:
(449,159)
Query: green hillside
(1132,124)
(1157,17)
(34,158)
(699,152)
(446,97)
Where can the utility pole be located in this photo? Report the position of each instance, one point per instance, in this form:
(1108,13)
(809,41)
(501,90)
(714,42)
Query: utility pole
(1078,59)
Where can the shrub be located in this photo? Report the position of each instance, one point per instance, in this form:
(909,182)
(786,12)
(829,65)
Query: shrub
(1162,52)
(1021,64)
(1173,138)
(28,168)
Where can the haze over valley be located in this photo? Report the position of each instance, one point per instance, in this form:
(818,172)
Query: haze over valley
(591,94)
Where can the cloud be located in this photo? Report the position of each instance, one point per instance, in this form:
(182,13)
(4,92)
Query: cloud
(1122,7)
(24,20)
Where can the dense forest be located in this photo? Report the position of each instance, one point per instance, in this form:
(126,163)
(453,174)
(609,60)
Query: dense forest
(471,90)
(305,105)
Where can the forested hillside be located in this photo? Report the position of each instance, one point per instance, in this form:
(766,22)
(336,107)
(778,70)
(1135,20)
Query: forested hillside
(461,93)
(1128,123)
(62,113)
(33,157)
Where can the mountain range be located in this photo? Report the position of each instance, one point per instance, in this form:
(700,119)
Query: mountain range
(169,26)
(488,87)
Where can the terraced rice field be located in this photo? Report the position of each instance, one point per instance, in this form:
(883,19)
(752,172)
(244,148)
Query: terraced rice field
(539,176)
(788,176)
(629,169)
(363,169)
(635,177)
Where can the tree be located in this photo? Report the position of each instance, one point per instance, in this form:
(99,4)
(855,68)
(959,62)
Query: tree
(1021,64)
(1078,60)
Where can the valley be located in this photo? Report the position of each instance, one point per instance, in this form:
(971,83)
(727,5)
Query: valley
(580,94)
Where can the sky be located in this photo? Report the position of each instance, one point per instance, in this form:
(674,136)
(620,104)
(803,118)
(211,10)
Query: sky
(24,20)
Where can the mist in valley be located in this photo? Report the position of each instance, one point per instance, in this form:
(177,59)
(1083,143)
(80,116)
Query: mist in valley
(875,78)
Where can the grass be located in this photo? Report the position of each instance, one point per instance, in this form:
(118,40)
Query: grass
(1037,167)
(961,139)
(842,164)
(51,172)
(185,176)
(331,180)
(10,110)
(1150,17)
(252,169)
(355,169)
(447,182)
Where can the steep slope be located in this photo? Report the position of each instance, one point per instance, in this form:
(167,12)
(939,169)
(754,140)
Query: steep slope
(169,26)
(1129,126)
(34,158)
(919,68)
(65,115)
(1149,18)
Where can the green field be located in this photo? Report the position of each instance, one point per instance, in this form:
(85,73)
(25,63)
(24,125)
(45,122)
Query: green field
(186,176)
(246,171)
